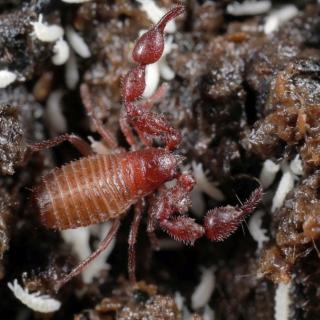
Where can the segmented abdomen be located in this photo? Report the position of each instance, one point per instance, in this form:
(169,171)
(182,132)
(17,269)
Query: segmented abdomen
(85,192)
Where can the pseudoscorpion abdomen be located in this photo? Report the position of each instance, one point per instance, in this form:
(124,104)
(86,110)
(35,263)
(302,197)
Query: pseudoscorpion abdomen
(101,187)
(84,192)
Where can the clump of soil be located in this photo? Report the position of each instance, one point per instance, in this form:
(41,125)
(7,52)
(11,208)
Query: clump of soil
(12,135)
(138,302)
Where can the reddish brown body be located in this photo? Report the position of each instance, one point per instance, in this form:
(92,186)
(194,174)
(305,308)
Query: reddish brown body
(97,188)
(101,187)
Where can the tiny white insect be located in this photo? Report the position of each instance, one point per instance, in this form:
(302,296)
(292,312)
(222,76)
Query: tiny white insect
(98,146)
(282,302)
(286,184)
(268,173)
(152,78)
(61,52)
(53,114)
(278,17)
(72,72)
(165,71)
(6,78)
(249,8)
(208,313)
(46,33)
(179,300)
(77,43)
(203,291)
(204,184)
(296,166)
(256,230)
(35,301)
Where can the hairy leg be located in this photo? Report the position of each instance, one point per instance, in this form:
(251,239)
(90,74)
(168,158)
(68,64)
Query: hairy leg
(183,228)
(82,146)
(127,130)
(157,96)
(151,232)
(133,239)
(149,125)
(221,222)
(169,207)
(106,135)
(102,246)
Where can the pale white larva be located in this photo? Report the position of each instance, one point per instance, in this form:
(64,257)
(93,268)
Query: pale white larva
(77,43)
(286,184)
(278,17)
(282,302)
(204,184)
(61,52)
(248,8)
(268,173)
(71,74)
(34,301)
(46,33)
(256,230)
(204,290)
(6,78)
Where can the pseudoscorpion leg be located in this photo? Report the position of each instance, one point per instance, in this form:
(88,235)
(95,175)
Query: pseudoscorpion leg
(102,246)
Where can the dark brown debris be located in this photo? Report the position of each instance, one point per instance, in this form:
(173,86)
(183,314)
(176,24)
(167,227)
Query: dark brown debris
(296,228)
(292,116)
(133,303)
(12,144)
(6,205)
(21,52)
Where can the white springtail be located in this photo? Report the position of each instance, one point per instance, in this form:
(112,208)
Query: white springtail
(35,301)
(282,302)
(46,33)
(6,78)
